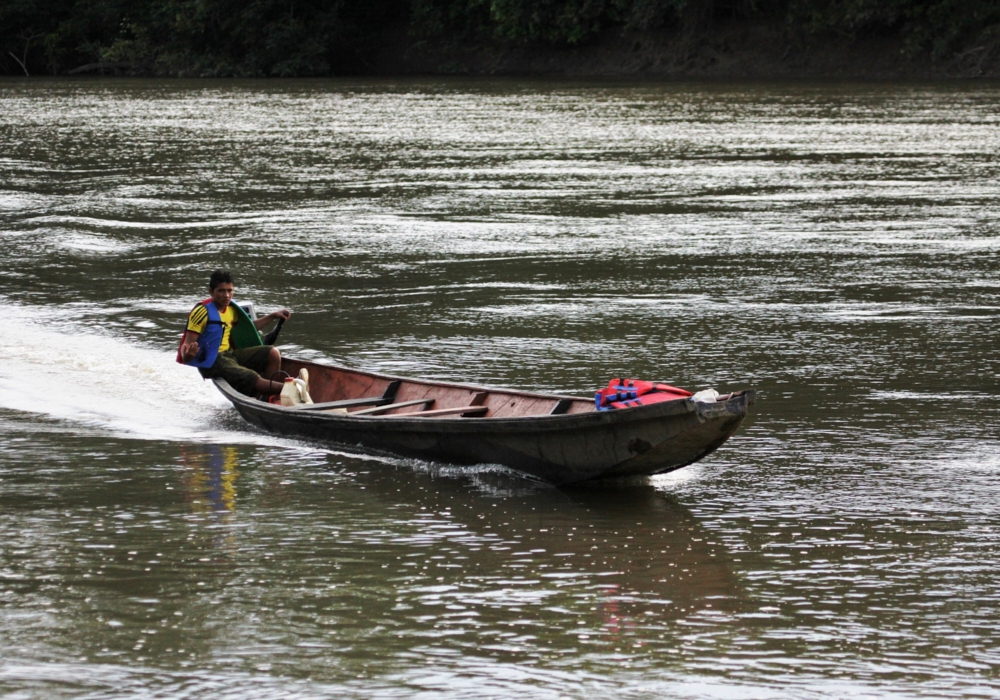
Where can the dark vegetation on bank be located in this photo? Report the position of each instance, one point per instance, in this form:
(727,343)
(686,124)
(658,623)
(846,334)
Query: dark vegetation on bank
(705,38)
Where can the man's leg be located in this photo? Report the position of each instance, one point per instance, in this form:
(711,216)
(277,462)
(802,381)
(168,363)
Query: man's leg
(241,378)
(264,360)
(267,387)
(273,363)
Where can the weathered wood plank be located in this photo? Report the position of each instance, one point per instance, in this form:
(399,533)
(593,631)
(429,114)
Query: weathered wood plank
(441,412)
(391,406)
(345,403)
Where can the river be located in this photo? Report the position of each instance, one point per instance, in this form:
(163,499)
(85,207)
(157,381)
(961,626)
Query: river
(834,246)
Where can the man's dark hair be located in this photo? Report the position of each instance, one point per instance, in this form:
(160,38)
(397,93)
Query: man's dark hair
(218,277)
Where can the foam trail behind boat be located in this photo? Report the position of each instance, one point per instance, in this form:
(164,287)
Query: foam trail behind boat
(58,369)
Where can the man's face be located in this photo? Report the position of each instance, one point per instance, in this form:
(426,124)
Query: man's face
(222,295)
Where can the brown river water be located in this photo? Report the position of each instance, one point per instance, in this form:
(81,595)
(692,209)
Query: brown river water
(834,246)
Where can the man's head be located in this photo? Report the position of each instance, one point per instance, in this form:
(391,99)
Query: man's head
(220,284)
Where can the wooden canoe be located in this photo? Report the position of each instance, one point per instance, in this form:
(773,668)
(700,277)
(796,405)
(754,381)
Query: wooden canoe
(554,438)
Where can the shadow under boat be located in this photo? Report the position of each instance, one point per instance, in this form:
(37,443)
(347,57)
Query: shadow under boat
(623,545)
(557,439)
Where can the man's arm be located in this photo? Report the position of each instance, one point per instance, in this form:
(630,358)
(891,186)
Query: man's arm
(264,321)
(189,346)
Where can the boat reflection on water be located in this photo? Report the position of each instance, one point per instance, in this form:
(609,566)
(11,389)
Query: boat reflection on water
(209,478)
(477,561)
(534,568)
(208,482)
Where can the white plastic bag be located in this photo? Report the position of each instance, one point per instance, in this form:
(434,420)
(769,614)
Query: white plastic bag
(705,396)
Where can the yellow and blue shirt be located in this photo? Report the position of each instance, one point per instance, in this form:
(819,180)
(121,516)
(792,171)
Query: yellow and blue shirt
(198,319)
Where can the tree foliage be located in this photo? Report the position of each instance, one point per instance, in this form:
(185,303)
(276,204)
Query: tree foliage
(322,37)
(192,37)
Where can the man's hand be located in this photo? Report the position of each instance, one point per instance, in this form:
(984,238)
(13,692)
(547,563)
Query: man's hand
(189,351)
(265,321)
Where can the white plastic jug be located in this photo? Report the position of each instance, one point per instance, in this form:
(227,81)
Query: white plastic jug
(296,390)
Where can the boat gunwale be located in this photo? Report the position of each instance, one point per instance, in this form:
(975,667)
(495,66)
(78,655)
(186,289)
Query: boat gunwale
(441,383)
(500,390)
(563,421)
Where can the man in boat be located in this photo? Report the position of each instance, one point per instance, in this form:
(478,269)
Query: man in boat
(206,345)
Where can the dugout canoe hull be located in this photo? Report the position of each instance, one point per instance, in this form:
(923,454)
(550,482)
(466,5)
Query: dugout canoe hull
(553,438)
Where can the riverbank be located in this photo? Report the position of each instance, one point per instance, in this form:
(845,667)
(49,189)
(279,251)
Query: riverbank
(757,52)
(741,52)
(777,39)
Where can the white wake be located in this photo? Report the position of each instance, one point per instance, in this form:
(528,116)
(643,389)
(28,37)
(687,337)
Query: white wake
(65,371)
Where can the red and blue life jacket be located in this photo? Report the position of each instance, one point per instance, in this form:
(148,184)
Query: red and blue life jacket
(209,341)
(628,393)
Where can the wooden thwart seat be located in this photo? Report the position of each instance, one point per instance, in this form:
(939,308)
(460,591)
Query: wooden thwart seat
(391,406)
(455,410)
(386,398)
(562,405)
(345,403)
